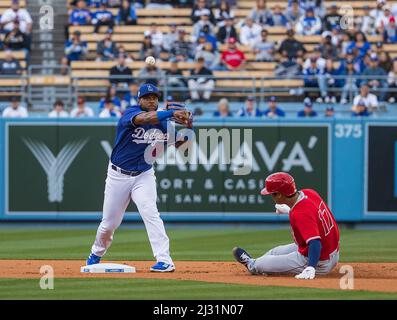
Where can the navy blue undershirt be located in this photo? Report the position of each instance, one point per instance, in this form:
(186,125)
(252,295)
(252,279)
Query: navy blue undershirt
(314,252)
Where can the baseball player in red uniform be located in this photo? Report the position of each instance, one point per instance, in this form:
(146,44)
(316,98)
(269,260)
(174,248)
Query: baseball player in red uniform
(313,227)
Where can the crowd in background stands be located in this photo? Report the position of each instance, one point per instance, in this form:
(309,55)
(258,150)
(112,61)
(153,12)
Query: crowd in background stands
(15,35)
(337,62)
(112,107)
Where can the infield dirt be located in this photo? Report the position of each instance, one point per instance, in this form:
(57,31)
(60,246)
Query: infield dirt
(381,277)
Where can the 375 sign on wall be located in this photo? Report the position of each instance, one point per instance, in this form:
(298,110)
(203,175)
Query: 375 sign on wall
(54,168)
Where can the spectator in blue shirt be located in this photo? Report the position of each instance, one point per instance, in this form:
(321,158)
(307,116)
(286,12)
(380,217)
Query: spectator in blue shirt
(223,109)
(313,77)
(361,110)
(75,48)
(358,64)
(80,16)
(278,19)
(309,24)
(249,110)
(130,98)
(127,14)
(111,95)
(102,17)
(360,44)
(9,65)
(307,110)
(293,13)
(273,111)
(107,49)
(210,37)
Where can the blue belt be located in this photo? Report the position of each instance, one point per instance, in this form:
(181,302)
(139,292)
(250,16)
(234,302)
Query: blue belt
(126,172)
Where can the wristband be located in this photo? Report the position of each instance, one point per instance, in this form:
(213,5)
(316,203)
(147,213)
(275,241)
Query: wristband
(164,115)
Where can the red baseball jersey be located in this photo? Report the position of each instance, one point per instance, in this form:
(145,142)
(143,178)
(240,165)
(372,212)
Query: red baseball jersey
(310,219)
(233,58)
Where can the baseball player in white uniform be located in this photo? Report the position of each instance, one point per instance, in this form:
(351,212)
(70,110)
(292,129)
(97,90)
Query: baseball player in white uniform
(130,177)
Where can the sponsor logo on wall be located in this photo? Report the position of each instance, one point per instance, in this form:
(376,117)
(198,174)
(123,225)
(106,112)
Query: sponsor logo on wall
(64,167)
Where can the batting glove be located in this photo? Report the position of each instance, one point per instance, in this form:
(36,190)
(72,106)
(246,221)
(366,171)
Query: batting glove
(282,208)
(308,274)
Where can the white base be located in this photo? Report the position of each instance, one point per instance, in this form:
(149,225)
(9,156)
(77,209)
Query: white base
(107,268)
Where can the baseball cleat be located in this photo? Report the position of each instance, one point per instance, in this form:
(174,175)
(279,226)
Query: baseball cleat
(162,267)
(242,256)
(93,259)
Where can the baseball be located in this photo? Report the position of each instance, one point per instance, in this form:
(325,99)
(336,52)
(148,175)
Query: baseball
(150,60)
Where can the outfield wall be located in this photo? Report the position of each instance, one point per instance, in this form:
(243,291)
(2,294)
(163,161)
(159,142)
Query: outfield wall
(55,170)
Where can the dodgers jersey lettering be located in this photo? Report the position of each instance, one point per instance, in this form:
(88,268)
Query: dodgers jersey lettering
(132,141)
(310,219)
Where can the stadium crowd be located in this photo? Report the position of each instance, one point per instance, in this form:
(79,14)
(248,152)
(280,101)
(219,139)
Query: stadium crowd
(15,35)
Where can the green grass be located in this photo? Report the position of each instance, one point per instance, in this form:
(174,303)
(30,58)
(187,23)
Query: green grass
(190,244)
(186,244)
(155,289)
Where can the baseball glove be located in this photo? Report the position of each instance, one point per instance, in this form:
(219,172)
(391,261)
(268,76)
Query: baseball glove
(182,115)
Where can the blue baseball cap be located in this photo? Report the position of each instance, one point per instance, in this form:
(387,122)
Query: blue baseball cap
(272,98)
(146,89)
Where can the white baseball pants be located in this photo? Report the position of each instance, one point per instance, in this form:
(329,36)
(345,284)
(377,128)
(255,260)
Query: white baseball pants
(120,189)
(287,259)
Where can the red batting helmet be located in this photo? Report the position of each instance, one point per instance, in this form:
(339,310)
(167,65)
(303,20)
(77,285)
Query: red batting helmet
(279,182)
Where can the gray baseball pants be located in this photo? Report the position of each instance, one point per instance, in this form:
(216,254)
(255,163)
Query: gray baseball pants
(287,259)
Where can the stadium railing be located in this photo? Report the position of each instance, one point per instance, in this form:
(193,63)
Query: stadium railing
(93,86)
(238,85)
